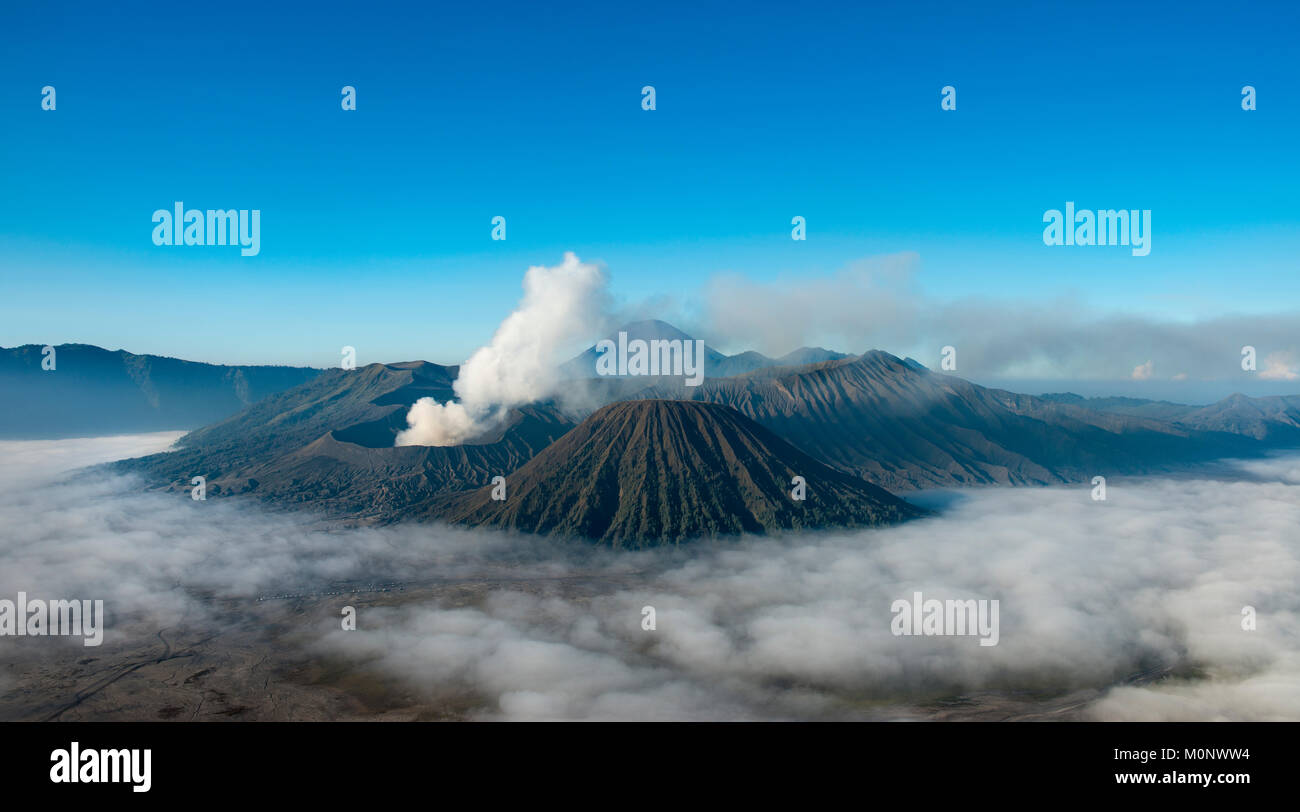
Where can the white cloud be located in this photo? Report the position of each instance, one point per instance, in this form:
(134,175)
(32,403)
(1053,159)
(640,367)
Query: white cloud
(790,627)
(1280,366)
(880,303)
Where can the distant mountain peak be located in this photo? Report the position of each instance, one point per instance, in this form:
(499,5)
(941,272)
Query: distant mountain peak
(129,392)
(716,364)
(652,328)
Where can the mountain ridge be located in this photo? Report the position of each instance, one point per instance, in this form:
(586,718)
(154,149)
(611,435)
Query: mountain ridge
(639,473)
(903,426)
(129,392)
(879,420)
(716,364)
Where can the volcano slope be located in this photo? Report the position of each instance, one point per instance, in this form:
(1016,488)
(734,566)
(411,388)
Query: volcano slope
(895,423)
(328,445)
(652,472)
(130,393)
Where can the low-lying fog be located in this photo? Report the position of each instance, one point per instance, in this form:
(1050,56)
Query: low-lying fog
(1151,581)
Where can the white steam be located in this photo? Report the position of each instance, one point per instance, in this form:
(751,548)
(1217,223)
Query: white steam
(561,305)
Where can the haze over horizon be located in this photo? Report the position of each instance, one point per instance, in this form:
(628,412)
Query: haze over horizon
(1278,380)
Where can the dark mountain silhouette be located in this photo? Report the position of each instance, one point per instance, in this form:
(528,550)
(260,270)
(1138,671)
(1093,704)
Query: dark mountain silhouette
(656,472)
(386,484)
(93,391)
(329,443)
(895,423)
(716,472)
(370,403)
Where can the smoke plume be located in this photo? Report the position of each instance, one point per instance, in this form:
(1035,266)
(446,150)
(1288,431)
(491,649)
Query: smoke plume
(521,365)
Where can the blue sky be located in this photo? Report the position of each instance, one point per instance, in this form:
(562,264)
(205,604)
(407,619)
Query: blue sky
(376,223)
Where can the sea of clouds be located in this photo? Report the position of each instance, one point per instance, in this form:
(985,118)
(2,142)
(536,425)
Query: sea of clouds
(797,626)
